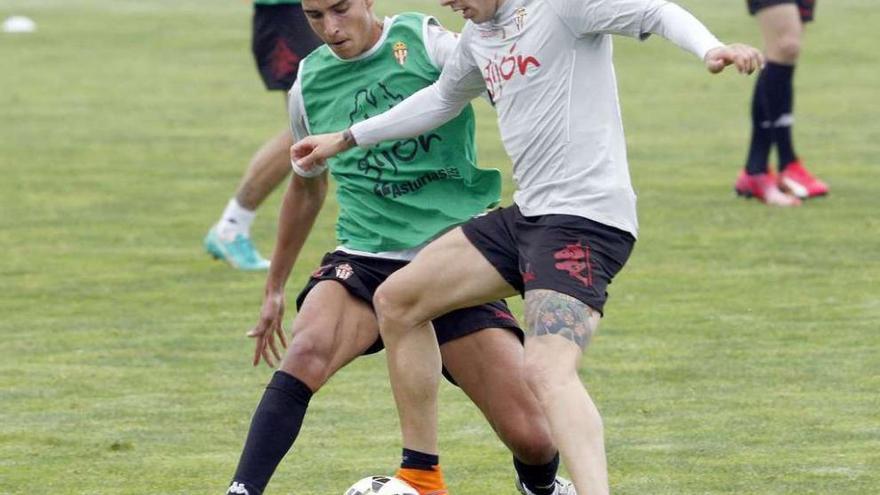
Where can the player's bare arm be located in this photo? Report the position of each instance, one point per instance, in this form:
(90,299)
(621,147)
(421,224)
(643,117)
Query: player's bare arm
(300,207)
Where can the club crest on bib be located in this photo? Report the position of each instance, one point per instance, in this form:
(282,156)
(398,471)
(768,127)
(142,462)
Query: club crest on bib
(519,18)
(400,52)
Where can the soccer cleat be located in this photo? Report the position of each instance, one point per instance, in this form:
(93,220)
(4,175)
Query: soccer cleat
(561,486)
(798,181)
(763,187)
(239,252)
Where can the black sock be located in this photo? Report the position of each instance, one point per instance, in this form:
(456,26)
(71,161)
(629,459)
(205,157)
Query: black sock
(780,99)
(413,459)
(274,428)
(540,479)
(762,133)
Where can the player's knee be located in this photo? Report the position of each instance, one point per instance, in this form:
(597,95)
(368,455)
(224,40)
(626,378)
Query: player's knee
(538,377)
(533,450)
(308,359)
(529,441)
(394,307)
(545,375)
(788,48)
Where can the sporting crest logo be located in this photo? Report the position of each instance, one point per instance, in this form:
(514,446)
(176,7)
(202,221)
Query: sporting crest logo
(400,52)
(575,259)
(519,18)
(344,271)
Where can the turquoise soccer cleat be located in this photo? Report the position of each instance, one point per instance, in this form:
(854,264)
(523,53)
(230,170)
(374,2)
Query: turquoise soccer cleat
(240,252)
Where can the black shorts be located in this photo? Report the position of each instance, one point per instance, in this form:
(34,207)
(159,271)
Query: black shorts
(361,275)
(807,7)
(563,253)
(281,38)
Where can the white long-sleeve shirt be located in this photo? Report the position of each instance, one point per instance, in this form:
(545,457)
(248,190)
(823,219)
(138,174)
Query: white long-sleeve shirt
(548,67)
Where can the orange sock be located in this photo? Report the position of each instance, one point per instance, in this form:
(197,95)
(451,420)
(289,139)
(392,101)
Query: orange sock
(425,482)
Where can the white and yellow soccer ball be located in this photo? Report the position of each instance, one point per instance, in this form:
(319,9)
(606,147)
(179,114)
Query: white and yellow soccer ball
(381,485)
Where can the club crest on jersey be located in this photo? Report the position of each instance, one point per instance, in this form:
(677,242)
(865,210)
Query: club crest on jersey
(344,271)
(519,18)
(400,52)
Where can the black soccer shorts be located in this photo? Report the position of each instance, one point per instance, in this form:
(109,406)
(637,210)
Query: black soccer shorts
(806,7)
(281,37)
(563,253)
(361,275)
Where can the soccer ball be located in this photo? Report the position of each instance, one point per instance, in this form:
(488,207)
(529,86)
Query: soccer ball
(381,485)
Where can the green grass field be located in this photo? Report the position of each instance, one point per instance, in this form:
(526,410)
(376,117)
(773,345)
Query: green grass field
(740,354)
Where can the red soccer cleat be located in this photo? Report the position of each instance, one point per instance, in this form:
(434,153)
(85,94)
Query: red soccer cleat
(763,187)
(798,181)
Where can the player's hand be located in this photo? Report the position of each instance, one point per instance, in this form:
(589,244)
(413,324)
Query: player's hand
(311,152)
(269,326)
(747,59)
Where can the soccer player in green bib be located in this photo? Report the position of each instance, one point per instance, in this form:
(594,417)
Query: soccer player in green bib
(393,199)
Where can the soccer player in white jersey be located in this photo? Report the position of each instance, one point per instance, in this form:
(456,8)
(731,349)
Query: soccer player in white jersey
(548,66)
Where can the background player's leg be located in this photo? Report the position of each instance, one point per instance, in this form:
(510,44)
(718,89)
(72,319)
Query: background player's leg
(267,168)
(230,238)
(281,37)
(332,328)
(783,31)
(762,135)
(560,328)
(448,274)
(488,366)
(771,105)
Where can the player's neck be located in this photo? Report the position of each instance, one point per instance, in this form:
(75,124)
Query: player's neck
(499,6)
(378,28)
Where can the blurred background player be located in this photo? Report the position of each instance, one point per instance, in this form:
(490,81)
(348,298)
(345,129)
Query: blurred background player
(281,38)
(392,200)
(782,26)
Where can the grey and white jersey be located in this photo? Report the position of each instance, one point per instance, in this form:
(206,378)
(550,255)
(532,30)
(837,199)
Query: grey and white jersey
(548,67)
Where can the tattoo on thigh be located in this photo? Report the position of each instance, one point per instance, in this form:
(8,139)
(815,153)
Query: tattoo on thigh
(552,313)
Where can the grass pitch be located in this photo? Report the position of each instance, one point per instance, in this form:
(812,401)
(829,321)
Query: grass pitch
(740,351)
